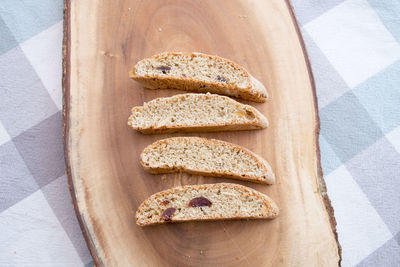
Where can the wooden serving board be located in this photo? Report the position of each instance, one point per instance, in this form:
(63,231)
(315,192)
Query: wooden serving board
(103,40)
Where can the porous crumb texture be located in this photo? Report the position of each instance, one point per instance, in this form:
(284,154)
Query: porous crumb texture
(208,157)
(198,72)
(195,66)
(228,201)
(191,112)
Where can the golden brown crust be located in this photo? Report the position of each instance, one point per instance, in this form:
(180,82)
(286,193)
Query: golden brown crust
(268,177)
(255,92)
(199,129)
(273,210)
(260,121)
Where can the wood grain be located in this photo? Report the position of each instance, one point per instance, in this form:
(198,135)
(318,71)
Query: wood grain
(102,41)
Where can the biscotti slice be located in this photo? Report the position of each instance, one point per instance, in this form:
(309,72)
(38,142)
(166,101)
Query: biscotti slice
(195,112)
(199,73)
(205,202)
(208,157)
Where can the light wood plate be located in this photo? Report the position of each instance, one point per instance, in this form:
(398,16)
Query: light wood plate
(102,41)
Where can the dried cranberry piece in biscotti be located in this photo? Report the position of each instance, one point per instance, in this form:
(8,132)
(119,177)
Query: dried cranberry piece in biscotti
(200,202)
(221,79)
(164,69)
(167,214)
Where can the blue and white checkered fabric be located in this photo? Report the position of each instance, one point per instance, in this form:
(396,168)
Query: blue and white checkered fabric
(355,54)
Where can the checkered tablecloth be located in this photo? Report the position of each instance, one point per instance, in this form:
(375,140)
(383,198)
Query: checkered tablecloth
(355,54)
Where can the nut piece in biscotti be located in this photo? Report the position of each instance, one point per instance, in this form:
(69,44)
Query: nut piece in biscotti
(208,157)
(205,202)
(198,72)
(195,113)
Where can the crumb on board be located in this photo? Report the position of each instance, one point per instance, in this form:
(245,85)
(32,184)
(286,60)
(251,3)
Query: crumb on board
(159,29)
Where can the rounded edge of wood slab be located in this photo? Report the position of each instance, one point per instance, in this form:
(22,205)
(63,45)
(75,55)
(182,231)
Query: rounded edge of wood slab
(66,105)
(322,184)
(66,51)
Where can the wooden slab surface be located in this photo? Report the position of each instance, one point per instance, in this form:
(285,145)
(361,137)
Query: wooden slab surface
(103,40)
